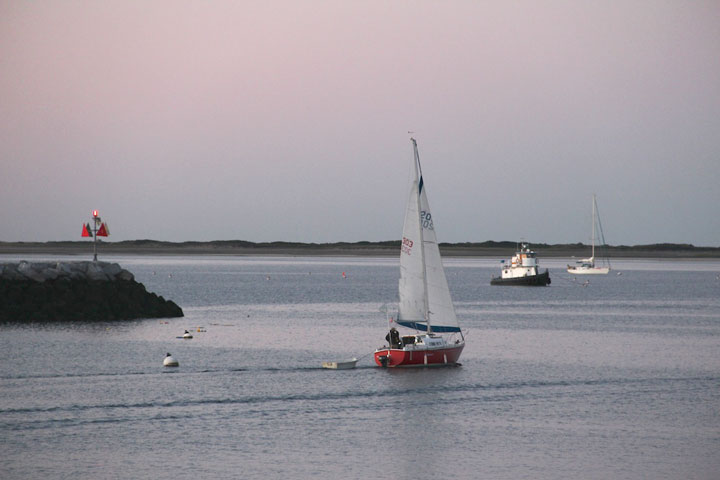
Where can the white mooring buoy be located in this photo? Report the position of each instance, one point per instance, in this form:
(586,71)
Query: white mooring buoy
(170,361)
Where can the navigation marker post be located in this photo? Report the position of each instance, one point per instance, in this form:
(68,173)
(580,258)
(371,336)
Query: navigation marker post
(98,229)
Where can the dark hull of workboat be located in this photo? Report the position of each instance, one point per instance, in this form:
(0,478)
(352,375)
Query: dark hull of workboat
(539,280)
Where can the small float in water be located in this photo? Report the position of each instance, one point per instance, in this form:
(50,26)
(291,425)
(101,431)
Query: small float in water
(170,361)
(187,335)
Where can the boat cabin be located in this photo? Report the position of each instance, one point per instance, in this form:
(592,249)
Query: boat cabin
(422,341)
(524,257)
(586,262)
(524,263)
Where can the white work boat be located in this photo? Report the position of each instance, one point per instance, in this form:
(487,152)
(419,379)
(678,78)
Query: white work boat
(523,269)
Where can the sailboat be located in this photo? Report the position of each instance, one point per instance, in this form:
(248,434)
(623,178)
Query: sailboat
(586,266)
(425,303)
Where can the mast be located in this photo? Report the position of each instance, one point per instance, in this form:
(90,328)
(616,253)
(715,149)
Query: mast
(602,237)
(419,181)
(593,229)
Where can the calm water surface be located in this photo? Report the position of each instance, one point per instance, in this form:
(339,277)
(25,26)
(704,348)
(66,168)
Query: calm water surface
(616,379)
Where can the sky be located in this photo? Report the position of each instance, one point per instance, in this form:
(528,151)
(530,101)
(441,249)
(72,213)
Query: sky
(284,120)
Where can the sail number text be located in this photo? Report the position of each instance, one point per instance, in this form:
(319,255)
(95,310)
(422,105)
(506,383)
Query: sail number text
(426,220)
(406,245)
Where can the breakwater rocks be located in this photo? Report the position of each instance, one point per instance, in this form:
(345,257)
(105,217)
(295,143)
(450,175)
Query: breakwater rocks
(76,291)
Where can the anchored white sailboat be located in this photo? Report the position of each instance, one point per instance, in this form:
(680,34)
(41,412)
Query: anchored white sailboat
(425,302)
(586,266)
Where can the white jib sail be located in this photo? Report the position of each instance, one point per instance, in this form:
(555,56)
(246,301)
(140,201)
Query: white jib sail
(442,311)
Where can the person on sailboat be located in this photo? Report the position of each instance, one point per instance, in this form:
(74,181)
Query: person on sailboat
(393,338)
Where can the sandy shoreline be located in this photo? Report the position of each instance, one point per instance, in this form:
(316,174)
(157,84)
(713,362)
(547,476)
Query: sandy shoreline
(364,249)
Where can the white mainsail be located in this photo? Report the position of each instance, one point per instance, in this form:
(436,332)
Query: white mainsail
(425,302)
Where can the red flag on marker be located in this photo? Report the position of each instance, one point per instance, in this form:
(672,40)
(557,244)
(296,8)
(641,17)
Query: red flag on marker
(86,231)
(103,231)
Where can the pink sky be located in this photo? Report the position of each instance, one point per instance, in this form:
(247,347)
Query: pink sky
(184,120)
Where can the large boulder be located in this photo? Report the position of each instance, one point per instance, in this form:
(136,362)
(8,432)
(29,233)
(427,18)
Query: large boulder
(30,271)
(96,272)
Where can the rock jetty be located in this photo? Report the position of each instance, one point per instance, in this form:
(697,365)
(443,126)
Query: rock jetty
(76,291)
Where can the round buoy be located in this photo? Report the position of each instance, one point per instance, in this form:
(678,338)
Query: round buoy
(170,361)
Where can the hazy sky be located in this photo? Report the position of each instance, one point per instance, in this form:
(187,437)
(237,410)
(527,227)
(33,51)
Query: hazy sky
(288,120)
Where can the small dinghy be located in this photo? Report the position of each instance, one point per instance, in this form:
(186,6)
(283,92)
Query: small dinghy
(187,335)
(343,365)
(170,361)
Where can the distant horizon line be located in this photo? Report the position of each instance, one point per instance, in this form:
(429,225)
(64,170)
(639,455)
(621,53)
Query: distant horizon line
(379,243)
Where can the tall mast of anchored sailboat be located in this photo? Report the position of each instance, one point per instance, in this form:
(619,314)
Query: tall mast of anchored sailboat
(419,182)
(593,228)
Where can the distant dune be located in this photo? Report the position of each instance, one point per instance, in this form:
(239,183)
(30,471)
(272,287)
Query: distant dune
(387,248)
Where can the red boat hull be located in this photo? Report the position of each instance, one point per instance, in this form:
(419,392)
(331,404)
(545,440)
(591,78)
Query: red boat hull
(436,357)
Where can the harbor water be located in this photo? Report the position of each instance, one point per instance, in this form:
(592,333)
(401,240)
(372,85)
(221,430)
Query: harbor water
(618,378)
